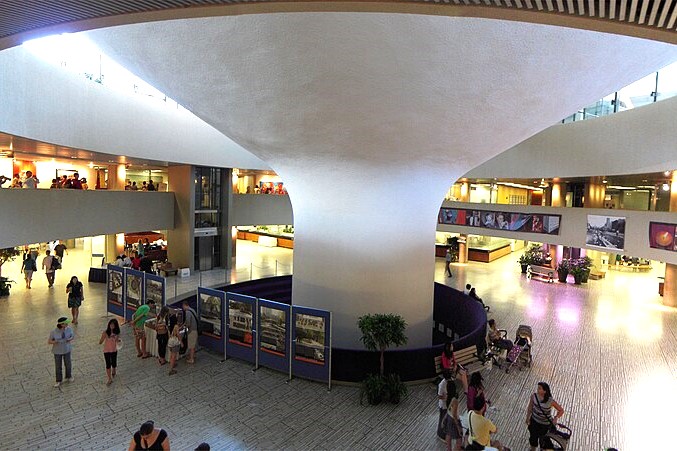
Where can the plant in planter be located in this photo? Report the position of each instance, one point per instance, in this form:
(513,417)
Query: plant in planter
(7,255)
(586,264)
(524,261)
(379,332)
(578,273)
(563,268)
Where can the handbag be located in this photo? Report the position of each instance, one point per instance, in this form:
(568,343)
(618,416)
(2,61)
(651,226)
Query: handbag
(173,341)
(472,444)
(118,345)
(558,433)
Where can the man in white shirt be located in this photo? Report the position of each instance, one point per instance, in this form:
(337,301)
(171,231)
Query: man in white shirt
(47,266)
(31,182)
(444,395)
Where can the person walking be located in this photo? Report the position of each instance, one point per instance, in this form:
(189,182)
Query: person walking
(61,339)
(190,321)
(110,338)
(162,333)
(28,266)
(447,259)
(31,181)
(446,391)
(539,416)
(149,437)
(59,249)
(47,265)
(74,289)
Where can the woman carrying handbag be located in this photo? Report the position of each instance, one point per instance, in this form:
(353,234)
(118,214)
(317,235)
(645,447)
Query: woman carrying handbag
(539,412)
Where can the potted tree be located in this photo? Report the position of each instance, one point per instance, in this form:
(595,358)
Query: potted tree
(577,271)
(563,270)
(379,332)
(6,255)
(586,264)
(524,261)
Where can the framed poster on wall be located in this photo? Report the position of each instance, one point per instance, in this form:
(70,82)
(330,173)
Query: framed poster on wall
(606,232)
(663,236)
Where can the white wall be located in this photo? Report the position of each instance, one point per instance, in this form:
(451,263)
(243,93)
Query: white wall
(573,227)
(33,216)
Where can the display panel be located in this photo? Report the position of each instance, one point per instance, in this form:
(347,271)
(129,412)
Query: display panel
(606,232)
(211,312)
(115,302)
(134,283)
(274,335)
(663,236)
(239,323)
(501,220)
(310,338)
(155,289)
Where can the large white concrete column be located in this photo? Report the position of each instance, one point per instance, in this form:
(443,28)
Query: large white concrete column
(367,117)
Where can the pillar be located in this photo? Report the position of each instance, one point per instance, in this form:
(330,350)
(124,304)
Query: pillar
(115,245)
(557,194)
(463,239)
(595,191)
(670,286)
(228,232)
(181,239)
(117,176)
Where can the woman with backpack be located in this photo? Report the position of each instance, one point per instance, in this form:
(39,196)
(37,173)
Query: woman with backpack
(162,331)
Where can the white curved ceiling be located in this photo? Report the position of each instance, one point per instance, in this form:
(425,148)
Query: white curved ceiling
(382,89)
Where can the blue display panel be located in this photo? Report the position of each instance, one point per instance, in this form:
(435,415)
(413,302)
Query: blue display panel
(115,288)
(240,323)
(274,335)
(311,336)
(155,289)
(211,312)
(134,287)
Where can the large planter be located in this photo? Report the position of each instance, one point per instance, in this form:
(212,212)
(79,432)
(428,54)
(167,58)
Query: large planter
(524,268)
(586,275)
(562,276)
(578,279)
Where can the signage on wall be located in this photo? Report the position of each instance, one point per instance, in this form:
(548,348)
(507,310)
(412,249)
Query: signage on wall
(501,220)
(662,236)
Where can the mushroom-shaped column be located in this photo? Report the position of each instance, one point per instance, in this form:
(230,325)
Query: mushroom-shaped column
(369,118)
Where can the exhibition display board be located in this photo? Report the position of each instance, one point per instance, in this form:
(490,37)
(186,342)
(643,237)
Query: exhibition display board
(211,305)
(155,289)
(273,344)
(241,319)
(115,299)
(311,338)
(134,291)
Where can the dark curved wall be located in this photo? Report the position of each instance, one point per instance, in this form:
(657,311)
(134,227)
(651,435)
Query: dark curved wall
(454,311)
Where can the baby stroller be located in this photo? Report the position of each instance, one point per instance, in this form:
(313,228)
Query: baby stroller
(520,354)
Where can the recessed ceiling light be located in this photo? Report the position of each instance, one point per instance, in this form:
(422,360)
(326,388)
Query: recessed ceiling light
(667,173)
(666,187)
(604,181)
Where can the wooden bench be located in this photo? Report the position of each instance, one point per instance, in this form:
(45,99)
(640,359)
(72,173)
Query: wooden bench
(595,274)
(167,269)
(545,273)
(467,357)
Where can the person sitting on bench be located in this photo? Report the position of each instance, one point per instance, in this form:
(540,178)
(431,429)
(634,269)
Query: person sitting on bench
(473,295)
(495,337)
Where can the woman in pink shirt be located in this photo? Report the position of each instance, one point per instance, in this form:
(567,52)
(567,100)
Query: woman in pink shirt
(110,339)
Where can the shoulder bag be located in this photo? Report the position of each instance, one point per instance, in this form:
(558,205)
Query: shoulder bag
(472,444)
(558,433)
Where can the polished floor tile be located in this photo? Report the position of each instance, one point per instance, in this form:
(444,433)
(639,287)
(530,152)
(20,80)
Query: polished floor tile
(608,348)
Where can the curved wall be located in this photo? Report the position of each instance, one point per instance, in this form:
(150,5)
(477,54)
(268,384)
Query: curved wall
(636,141)
(33,216)
(49,104)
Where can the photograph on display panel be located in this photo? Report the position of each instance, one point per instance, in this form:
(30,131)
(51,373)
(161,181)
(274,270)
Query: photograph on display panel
(607,232)
(240,323)
(210,314)
(133,290)
(115,282)
(273,330)
(662,236)
(310,339)
(154,291)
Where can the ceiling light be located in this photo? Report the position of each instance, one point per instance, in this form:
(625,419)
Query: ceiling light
(621,187)
(666,187)
(604,181)
(91,165)
(667,173)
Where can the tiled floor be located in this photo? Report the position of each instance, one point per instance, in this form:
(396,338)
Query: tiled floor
(608,349)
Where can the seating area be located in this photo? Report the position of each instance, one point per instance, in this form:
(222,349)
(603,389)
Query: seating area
(544,273)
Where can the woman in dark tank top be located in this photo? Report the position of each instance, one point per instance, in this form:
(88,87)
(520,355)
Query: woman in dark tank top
(149,437)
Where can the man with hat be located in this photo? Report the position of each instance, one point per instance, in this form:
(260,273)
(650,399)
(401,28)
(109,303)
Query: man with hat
(60,339)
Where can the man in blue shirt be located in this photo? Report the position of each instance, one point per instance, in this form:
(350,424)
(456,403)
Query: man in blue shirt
(60,339)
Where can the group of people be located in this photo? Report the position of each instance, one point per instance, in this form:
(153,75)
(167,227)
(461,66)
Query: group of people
(132,186)
(479,429)
(50,264)
(168,332)
(69,182)
(138,262)
(29,181)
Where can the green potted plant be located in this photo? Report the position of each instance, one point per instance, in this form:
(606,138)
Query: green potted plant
(524,261)
(586,264)
(379,332)
(563,270)
(8,254)
(578,273)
